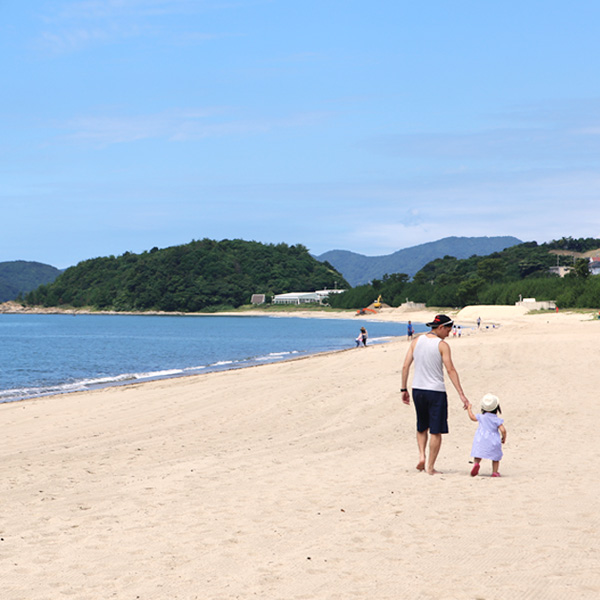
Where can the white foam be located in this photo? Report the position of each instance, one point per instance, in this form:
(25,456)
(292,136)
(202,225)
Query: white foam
(158,374)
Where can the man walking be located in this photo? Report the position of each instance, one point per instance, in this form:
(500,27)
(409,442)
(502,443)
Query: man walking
(431,353)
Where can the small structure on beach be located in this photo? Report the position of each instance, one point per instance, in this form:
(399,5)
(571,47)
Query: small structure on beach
(533,304)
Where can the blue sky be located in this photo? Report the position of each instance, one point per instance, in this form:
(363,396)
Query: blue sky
(337,124)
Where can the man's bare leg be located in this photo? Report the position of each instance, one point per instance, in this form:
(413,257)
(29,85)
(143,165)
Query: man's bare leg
(422,443)
(435,443)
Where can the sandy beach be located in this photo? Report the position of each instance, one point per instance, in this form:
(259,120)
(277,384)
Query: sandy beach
(297,480)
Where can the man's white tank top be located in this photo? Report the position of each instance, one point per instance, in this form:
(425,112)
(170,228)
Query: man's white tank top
(429,370)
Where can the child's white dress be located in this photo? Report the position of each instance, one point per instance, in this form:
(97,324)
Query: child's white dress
(487,442)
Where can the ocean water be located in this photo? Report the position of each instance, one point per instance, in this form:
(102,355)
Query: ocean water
(51,354)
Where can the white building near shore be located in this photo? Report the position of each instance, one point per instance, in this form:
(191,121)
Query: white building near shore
(304,297)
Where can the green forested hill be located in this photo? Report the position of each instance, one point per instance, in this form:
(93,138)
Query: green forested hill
(197,276)
(499,278)
(21,276)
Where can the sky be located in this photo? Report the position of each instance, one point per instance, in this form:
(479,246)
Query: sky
(336,124)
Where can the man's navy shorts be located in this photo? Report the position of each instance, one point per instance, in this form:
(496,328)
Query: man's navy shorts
(432,410)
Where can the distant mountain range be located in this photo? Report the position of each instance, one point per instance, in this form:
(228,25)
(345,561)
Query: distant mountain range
(20,276)
(359,269)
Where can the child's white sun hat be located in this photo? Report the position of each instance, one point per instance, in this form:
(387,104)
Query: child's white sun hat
(489,402)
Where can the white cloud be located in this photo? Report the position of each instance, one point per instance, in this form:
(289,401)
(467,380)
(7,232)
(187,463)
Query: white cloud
(102,9)
(564,133)
(78,38)
(74,26)
(110,9)
(177,126)
(509,145)
(587,131)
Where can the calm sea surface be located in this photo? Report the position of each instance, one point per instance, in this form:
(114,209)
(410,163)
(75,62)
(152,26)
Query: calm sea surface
(51,354)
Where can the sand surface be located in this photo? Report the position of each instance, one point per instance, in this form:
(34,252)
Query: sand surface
(297,480)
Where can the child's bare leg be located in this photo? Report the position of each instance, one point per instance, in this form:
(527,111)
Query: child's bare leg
(476,466)
(495,466)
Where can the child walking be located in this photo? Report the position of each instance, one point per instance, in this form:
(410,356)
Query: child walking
(490,434)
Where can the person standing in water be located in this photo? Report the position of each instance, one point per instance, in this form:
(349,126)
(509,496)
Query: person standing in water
(362,337)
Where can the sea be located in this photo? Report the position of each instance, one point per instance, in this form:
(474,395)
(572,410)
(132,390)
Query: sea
(42,354)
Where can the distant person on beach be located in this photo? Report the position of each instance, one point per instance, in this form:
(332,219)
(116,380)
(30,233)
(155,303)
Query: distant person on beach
(410,330)
(362,337)
(490,434)
(431,353)
(478,322)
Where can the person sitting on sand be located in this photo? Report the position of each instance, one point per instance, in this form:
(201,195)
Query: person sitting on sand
(490,434)
(431,353)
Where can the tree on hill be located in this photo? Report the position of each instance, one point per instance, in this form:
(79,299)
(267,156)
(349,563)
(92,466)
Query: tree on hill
(197,276)
(575,245)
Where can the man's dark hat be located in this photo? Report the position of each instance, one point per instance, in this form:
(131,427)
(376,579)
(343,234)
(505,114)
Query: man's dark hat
(440,320)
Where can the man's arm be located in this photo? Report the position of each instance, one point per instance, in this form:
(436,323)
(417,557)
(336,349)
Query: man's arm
(408,360)
(452,372)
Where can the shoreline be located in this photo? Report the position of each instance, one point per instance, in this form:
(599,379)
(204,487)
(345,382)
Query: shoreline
(93,381)
(159,378)
(467,317)
(492,318)
(383,314)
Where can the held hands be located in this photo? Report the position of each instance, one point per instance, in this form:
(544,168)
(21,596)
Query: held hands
(406,400)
